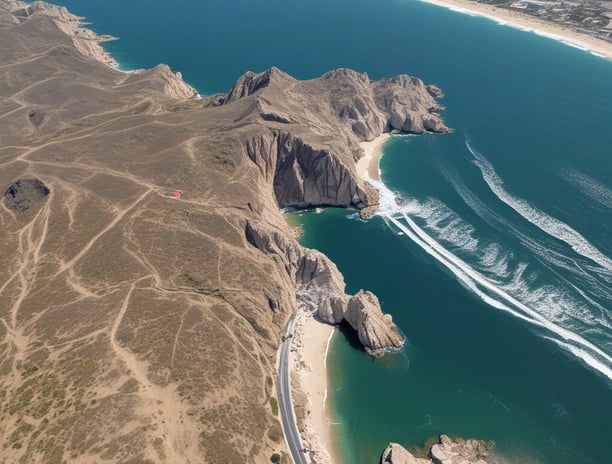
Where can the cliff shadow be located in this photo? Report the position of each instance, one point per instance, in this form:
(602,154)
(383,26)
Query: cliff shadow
(351,336)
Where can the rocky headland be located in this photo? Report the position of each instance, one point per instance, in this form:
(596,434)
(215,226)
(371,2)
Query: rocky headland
(138,326)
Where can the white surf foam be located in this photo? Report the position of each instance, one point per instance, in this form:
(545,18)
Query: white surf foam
(497,221)
(593,189)
(489,292)
(445,223)
(552,226)
(457,9)
(329,339)
(587,357)
(550,258)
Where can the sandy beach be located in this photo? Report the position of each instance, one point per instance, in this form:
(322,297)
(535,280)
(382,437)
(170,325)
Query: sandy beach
(308,359)
(522,21)
(367,166)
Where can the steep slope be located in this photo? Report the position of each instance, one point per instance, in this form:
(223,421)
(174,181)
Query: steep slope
(134,326)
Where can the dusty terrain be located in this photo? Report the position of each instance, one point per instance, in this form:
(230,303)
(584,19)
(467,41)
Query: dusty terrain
(137,327)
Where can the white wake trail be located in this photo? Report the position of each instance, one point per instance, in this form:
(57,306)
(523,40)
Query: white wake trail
(494,295)
(589,187)
(549,257)
(552,226)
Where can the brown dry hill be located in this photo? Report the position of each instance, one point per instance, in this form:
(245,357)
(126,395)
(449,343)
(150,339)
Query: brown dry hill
(135,327)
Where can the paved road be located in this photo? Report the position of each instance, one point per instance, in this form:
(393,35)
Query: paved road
(285,405)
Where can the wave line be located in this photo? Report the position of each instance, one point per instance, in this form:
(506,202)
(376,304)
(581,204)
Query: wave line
(472,280)
(552,226)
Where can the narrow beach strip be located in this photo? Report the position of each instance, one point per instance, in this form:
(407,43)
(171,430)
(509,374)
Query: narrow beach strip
(309,352)
(524,22)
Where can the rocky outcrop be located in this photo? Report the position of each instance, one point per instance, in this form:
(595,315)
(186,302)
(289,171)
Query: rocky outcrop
(24,194)
(305,175)
(164,80)
(435,91)
(397,454)
(250,82)
(376,330)
(316,127)
(353,100)
(447,451)
(460,451)
(408,105)
(365,108)
(320,290)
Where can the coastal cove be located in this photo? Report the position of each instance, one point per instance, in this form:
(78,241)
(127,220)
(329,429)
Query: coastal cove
(530,119)
(443,381)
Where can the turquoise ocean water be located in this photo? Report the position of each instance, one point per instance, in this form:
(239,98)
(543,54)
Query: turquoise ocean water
(496,263)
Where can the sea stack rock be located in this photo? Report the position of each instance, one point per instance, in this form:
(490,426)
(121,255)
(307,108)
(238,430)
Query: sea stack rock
(376,330)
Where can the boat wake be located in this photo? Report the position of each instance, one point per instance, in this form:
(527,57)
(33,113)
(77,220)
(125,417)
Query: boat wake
(552,226)
(590,187)
(496,275)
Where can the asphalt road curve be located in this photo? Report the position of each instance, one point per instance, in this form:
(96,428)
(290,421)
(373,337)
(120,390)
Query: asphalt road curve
(285,404)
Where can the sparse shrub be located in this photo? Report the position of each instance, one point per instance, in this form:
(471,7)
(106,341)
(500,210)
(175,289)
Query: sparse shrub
(274,405)
(275,458)
(275,434)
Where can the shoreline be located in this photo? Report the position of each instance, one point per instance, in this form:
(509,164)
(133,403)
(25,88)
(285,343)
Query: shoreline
(367,166)
(308,360)
(555,31)
(86,40)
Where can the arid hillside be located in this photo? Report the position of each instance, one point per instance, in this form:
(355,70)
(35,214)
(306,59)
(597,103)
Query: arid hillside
(136,326)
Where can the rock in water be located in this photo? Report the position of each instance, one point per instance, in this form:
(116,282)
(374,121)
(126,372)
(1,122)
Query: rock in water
(446,451)
(376,330)
(460,451)
(397,454)
(24,193)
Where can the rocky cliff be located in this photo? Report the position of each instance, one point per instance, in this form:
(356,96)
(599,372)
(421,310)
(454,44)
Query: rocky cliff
(446,451)
(141,326)
(320,290)
(316,126)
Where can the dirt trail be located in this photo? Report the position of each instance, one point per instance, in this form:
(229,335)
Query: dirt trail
(180,443)
(93,241)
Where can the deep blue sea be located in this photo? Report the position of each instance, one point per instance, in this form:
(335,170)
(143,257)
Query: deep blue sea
(495,259)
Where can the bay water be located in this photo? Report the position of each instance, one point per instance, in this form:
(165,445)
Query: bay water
(492,248)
